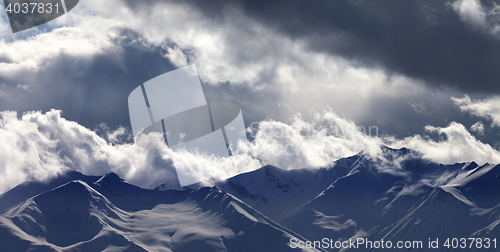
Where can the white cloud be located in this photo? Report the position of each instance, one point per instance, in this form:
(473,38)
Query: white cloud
(471,11)
(38,146)
(24,152)
(313,144)
(478,127)
(35,52)
(328,137)
(487,108)
(474,13)
(455,145)
(418,107)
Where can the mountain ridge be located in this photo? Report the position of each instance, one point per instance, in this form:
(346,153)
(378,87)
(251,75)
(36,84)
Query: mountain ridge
(398,195)
(79,216)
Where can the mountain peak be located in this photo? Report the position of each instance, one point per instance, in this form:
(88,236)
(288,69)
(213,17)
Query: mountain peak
(110,177)
(399,152)
(470,166)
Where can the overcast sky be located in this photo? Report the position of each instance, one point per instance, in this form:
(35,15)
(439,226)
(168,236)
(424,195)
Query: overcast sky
(425,72)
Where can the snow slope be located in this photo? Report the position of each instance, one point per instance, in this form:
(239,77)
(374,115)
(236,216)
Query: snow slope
(112,215)
(276,192)
(29,189)
(415,200)
(398,196)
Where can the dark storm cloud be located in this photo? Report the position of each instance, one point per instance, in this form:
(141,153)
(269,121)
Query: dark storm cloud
(94,90)
(426,39)
(88,90)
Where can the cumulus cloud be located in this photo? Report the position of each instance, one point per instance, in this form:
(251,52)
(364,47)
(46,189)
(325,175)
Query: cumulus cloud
(25,153)
(471,11)
(475,13)
(328,137)
(39,146)
(34,52)
(312,144)
(486,108)
(455,145)
(478,127)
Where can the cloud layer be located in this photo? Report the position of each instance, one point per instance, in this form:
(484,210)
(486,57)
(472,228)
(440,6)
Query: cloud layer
(40,145)
(86,63)
(391,65)
(444,43)
(486,108)
(455,145)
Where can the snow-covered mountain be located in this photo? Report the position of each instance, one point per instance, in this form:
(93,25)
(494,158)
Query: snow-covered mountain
(398,196)
(276,192)
(29,189)
(415,200)
(109,214)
